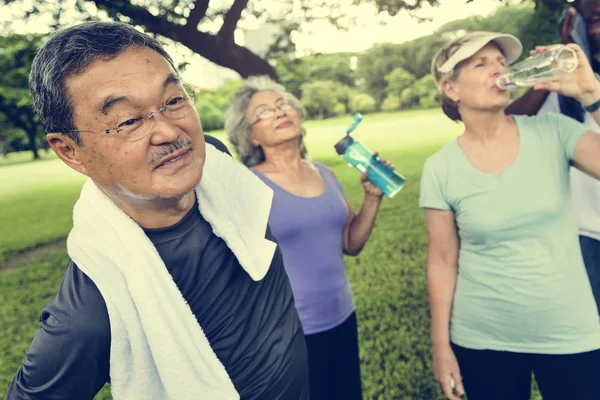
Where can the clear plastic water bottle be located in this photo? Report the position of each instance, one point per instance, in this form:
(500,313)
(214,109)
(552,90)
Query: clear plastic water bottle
(360,157)
(557,61)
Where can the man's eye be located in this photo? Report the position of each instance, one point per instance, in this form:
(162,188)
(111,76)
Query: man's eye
(128,123)
(176,100)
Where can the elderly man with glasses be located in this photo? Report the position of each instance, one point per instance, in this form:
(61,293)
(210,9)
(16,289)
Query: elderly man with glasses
(175,287)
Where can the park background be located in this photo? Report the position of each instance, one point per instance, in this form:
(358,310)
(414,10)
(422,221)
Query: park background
(321,51)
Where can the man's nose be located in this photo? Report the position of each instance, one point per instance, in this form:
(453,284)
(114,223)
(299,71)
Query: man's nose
(163,130)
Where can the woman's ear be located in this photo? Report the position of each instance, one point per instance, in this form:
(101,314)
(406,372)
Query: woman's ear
(450,91)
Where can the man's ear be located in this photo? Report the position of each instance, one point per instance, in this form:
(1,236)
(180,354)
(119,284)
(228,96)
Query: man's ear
(67,150)
(450,91)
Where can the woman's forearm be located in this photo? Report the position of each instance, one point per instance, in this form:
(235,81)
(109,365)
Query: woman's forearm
(442,282)
(362,225)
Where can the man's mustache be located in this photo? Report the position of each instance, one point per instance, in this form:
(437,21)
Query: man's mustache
(156,157)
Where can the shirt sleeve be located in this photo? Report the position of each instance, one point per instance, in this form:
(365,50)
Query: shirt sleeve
(551,104)
(569,133)
(432,193)
(69,355)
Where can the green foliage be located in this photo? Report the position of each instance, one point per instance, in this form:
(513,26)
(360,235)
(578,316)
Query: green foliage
(430,101)
(294,72)
(391,103)
(320,98)
(339,109)
(212,117)
(542,27)
(211,105)
(408,98)
(424,86)
(426,92)
(11,139)
(19,127)
(375,64)
(398,80)
(362,103)
(220,97)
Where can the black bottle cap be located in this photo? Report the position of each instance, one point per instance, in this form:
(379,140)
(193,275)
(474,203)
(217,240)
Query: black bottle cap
(342,145)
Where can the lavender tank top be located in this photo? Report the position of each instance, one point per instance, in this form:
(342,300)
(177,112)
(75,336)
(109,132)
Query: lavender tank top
(309,232)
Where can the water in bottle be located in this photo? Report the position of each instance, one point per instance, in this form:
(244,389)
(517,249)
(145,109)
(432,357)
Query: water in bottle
(360,157)
(557,61)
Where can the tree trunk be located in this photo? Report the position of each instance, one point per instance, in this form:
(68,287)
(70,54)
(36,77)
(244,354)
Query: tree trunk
(230,55)
(31,135)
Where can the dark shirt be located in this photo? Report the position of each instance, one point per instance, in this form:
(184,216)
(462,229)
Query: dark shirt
(252,326)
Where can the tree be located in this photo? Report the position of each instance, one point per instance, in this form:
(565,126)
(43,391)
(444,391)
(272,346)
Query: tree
(293,72)
(207,27)
(391,103)
(375,64)
(398,80)
(16,108)
(426,92)
(362,103)
(322,99)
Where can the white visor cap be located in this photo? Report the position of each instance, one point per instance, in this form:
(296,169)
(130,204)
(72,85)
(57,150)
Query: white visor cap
(510,46)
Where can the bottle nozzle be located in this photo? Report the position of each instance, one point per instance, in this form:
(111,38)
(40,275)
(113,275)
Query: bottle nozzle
(501,82)
(355,121)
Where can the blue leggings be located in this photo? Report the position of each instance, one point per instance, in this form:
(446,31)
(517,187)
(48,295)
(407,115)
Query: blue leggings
(503,375)
(334,364)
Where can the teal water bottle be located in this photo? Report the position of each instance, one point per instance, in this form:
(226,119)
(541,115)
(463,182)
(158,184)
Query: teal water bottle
(360,157)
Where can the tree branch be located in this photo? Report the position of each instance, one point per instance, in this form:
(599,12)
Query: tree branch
(197,13)
(212,47)
(231,19)
(138,14)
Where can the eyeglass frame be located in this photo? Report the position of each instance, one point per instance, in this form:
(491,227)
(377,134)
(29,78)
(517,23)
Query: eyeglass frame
(278,105)
(187,89)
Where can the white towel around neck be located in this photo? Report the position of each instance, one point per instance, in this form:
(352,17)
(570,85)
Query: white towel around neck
(158,349)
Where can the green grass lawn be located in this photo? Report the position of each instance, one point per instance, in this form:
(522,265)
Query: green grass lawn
(25,157)
(36,200)
(388,278)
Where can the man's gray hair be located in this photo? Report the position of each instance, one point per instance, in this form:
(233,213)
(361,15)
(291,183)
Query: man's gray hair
(68,53)
(238,128)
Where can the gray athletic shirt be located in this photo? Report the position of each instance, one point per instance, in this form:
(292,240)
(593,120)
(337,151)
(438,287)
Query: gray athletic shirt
(253,327)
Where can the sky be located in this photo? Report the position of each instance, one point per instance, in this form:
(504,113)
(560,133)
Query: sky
(397,29)
(321,36)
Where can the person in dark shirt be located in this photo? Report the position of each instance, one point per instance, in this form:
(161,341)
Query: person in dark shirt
(252,325)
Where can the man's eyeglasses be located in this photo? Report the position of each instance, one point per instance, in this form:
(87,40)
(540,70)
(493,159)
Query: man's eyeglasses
(268,112)
(178,106)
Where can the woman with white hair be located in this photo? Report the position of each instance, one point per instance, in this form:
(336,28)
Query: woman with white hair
(314,225)
(508,289)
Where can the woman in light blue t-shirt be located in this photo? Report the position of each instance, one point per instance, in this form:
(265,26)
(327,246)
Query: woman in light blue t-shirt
(509,293)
